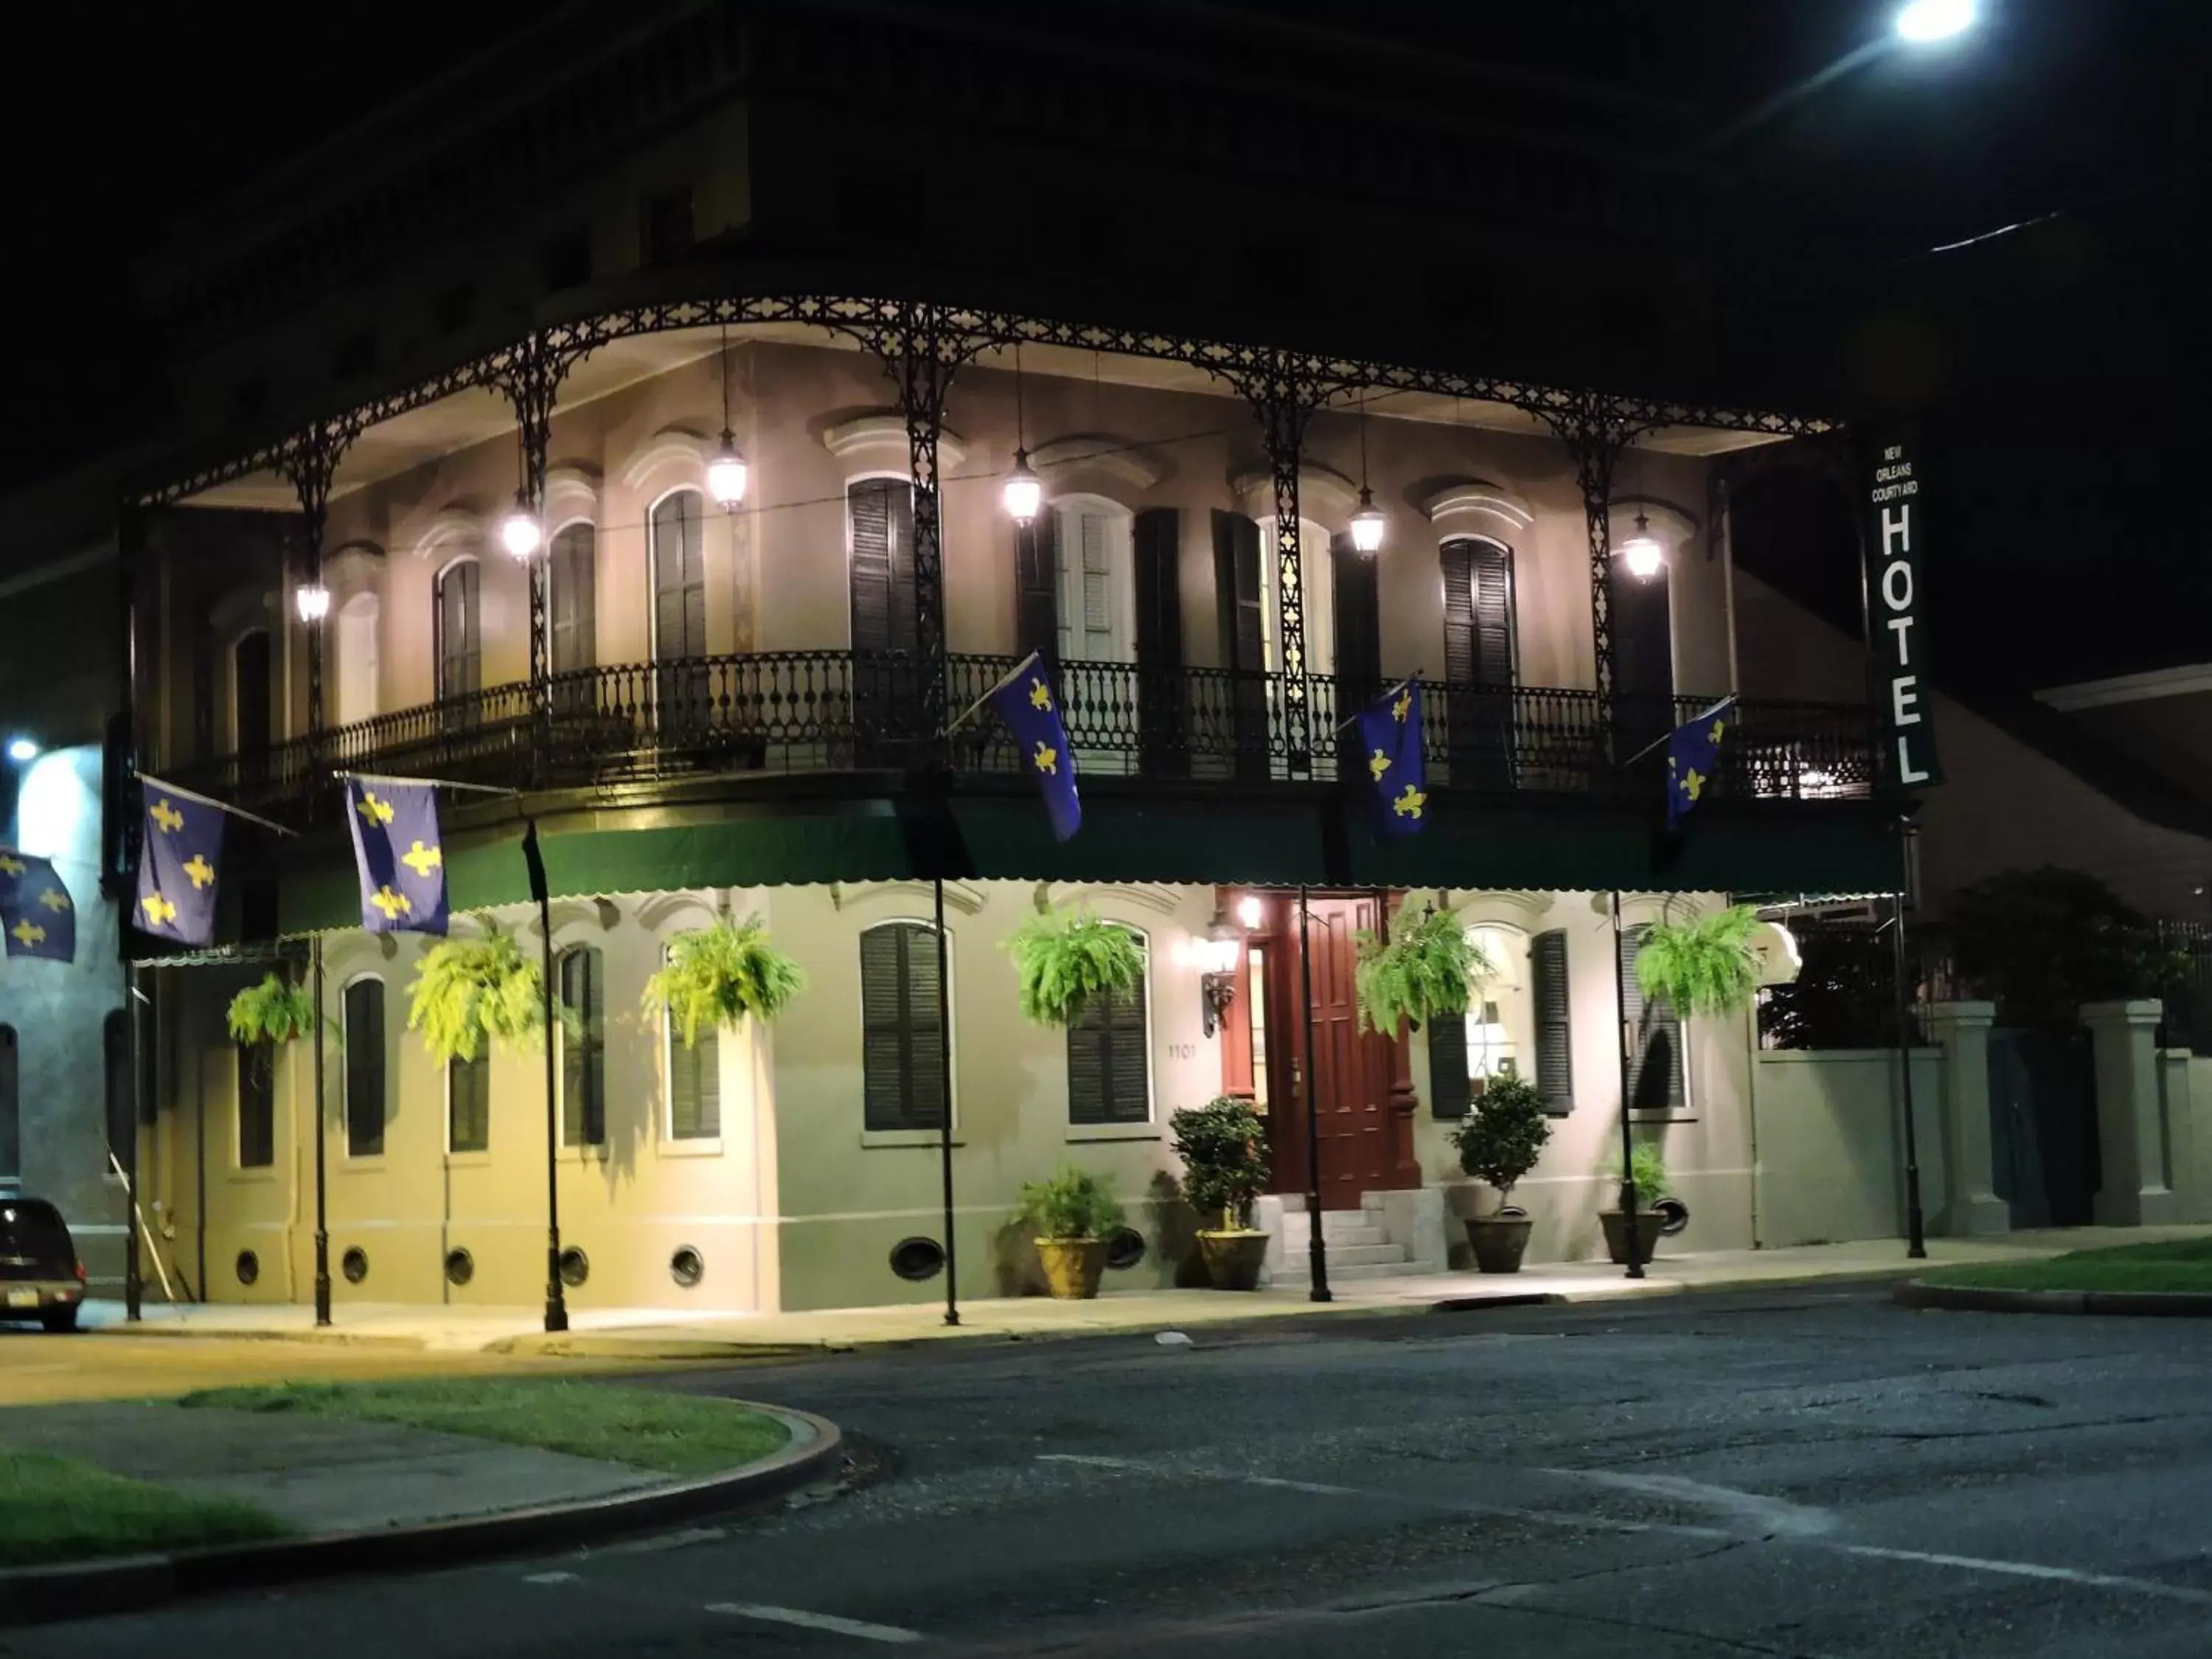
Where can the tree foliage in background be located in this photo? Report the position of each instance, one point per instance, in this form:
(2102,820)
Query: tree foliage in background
(1702,966)
(271,1013)
(2040,943)
(1844,995)
(1224,1148)
(1062,958)
(715,976)
(1427,971)
(468,991)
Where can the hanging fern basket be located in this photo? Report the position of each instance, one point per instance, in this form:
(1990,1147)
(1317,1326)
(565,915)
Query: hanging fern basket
(466,992)
(271,1014)
(1703,966)
(717,976)
(1064,959)
(1427,971)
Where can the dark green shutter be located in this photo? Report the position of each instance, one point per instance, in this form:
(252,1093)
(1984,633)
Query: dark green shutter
(1157,544)
(1356,611)
(901,1049)
(1109,1059)
(924,1036)
(468,1105)
(1036,585)
(583,1049)
(1449,1092)
(1461,652)
(11,1108)
(1655,1064)
(1555,1045)
(695,1085)
(868,502)
(1240,598)
(573,598)
(460,655)
(1491,579)
(257,1106)
(364,1069)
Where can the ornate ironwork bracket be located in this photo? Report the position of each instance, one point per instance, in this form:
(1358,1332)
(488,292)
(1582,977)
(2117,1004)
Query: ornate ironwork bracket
(530,377)
(1595,428)
(1284,394)
(310,463)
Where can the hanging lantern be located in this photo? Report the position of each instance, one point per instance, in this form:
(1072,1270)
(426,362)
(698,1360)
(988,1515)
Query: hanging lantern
(312,600)
(726,472)
(1024,491)
(520,532)
(1367,524)
(1642,553)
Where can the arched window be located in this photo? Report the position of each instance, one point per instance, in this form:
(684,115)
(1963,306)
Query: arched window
(572,602)
(903,1059)
(1517,1024)
(250,715)
(879,528)
(458,629)
(679,612)
(359,658)
(364,1069)
(115,1056)
(468,1104)
(11,1109)
(1109,1051)
(1479,661)
(583,1040)
(1096,580)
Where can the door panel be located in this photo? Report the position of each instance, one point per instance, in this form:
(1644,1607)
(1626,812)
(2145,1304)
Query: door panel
(1643,661)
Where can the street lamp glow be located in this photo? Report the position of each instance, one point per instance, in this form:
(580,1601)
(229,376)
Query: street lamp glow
(22,750)
(1642,553)
(1922,21)
(520,532)
(1024,491)
(312,600)
(1367,524)
(725,473)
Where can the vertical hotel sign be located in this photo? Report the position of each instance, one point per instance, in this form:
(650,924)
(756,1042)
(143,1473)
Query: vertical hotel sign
(1899,644)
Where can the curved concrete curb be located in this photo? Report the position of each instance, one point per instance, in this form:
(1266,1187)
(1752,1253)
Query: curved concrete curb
(129,1584)
(1969,1298)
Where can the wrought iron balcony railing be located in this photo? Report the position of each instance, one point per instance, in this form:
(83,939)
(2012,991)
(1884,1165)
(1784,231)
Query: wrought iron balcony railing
(832,711)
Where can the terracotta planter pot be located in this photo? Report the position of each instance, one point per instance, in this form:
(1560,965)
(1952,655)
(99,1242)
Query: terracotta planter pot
(1233,1260)
(1072,1267)
(1499,1241)
(1649,1224)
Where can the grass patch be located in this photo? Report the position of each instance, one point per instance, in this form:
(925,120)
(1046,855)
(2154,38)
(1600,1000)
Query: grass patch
(56,1509)
(2173,1265)
(674,1433)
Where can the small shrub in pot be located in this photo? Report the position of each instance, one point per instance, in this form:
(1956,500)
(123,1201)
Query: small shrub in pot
(1072,1214)
(1499,1142)
(1224,1148)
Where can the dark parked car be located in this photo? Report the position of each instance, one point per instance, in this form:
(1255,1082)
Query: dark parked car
(40,1277)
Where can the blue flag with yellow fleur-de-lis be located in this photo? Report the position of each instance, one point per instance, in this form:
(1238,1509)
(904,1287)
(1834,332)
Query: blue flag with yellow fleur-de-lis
(1694,758)
(397,850)
(1025,701)
(36,917)
(180,861)
(1391,743)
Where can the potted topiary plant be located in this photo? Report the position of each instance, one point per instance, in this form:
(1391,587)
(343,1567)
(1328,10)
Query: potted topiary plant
(467,991)
(715,976)
(1070,1215)
(1427,971)
(1651,1171)
(1062,958)
(1504,1131)
(1224,1148)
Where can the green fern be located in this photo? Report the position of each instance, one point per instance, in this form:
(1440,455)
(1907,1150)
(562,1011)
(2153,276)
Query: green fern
(1062,958)
(466,992)
(1429,970)
(271,1013)
(1703,966)
(717,975)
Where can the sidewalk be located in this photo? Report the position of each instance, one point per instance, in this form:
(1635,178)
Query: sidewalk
(649,1334)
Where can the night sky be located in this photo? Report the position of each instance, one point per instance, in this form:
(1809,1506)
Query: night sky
(2061,362)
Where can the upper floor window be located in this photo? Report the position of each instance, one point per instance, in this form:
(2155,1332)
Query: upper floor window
(903,1059)
(572,602)
(459,638)
(880,524)
(583,1041)
(1110,1057)
(250,712)
(257,1107)
(364,1069)
(679,577)
(666,231)
(359,664)
(1096,580)
(1479,621)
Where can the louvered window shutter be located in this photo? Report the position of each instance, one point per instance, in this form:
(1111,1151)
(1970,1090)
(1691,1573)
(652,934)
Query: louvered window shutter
(1555,1047)
(574,556)
(1109,1059)
(1461,652)
(364,1069)
(468,1105)
(1449,1092)
(901,1049)
(1655,1065)
(1239,600)
(870,508)
(899,518)
(1037,586)
(695,1083)
(1158,533)
(583,1049)
(1492,573)
(924,1039)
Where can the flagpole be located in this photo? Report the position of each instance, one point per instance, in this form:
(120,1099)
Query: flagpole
(322,1177)
(944,1108)
(168,788)
(1387,693)
(1627,1141)
(431,783)
(1317,1247)
(1005,680)
(1670,738)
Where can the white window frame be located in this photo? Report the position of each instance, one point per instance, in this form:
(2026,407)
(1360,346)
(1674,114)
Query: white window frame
(365,1160)
(1120,573)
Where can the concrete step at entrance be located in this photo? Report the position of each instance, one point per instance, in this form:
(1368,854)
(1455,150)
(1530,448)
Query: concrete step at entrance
(1348,1234)
(1351,1273)
(1362,1256)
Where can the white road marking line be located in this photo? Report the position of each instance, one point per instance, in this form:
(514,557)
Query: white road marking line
(822,1621)
(1089,1462)
(551,1578)
(1774,1515)
(2110,1580)
(669,1541)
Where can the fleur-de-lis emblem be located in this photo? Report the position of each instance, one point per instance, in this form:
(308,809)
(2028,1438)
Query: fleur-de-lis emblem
(11,866)
(1047,759)
(1694,783)
(160,913)
(1040,698)
(1377,764)
(201,871)
(28,933)
(55,900)
(1720,730)
(423,860)
(372,809)
(393,905)
(166,817)
(1409,804)
(1403,706)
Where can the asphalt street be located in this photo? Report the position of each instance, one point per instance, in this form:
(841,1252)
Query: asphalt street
(1813,1472)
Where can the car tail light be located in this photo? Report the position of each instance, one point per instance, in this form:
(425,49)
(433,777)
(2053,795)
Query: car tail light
(80,1272)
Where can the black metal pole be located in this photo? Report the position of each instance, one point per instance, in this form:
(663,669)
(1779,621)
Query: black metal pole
(127,1155)
(322,1173)
(1915,1228)
(1317,1247)
(944,1111)
(556,1296)
(1627,1139)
